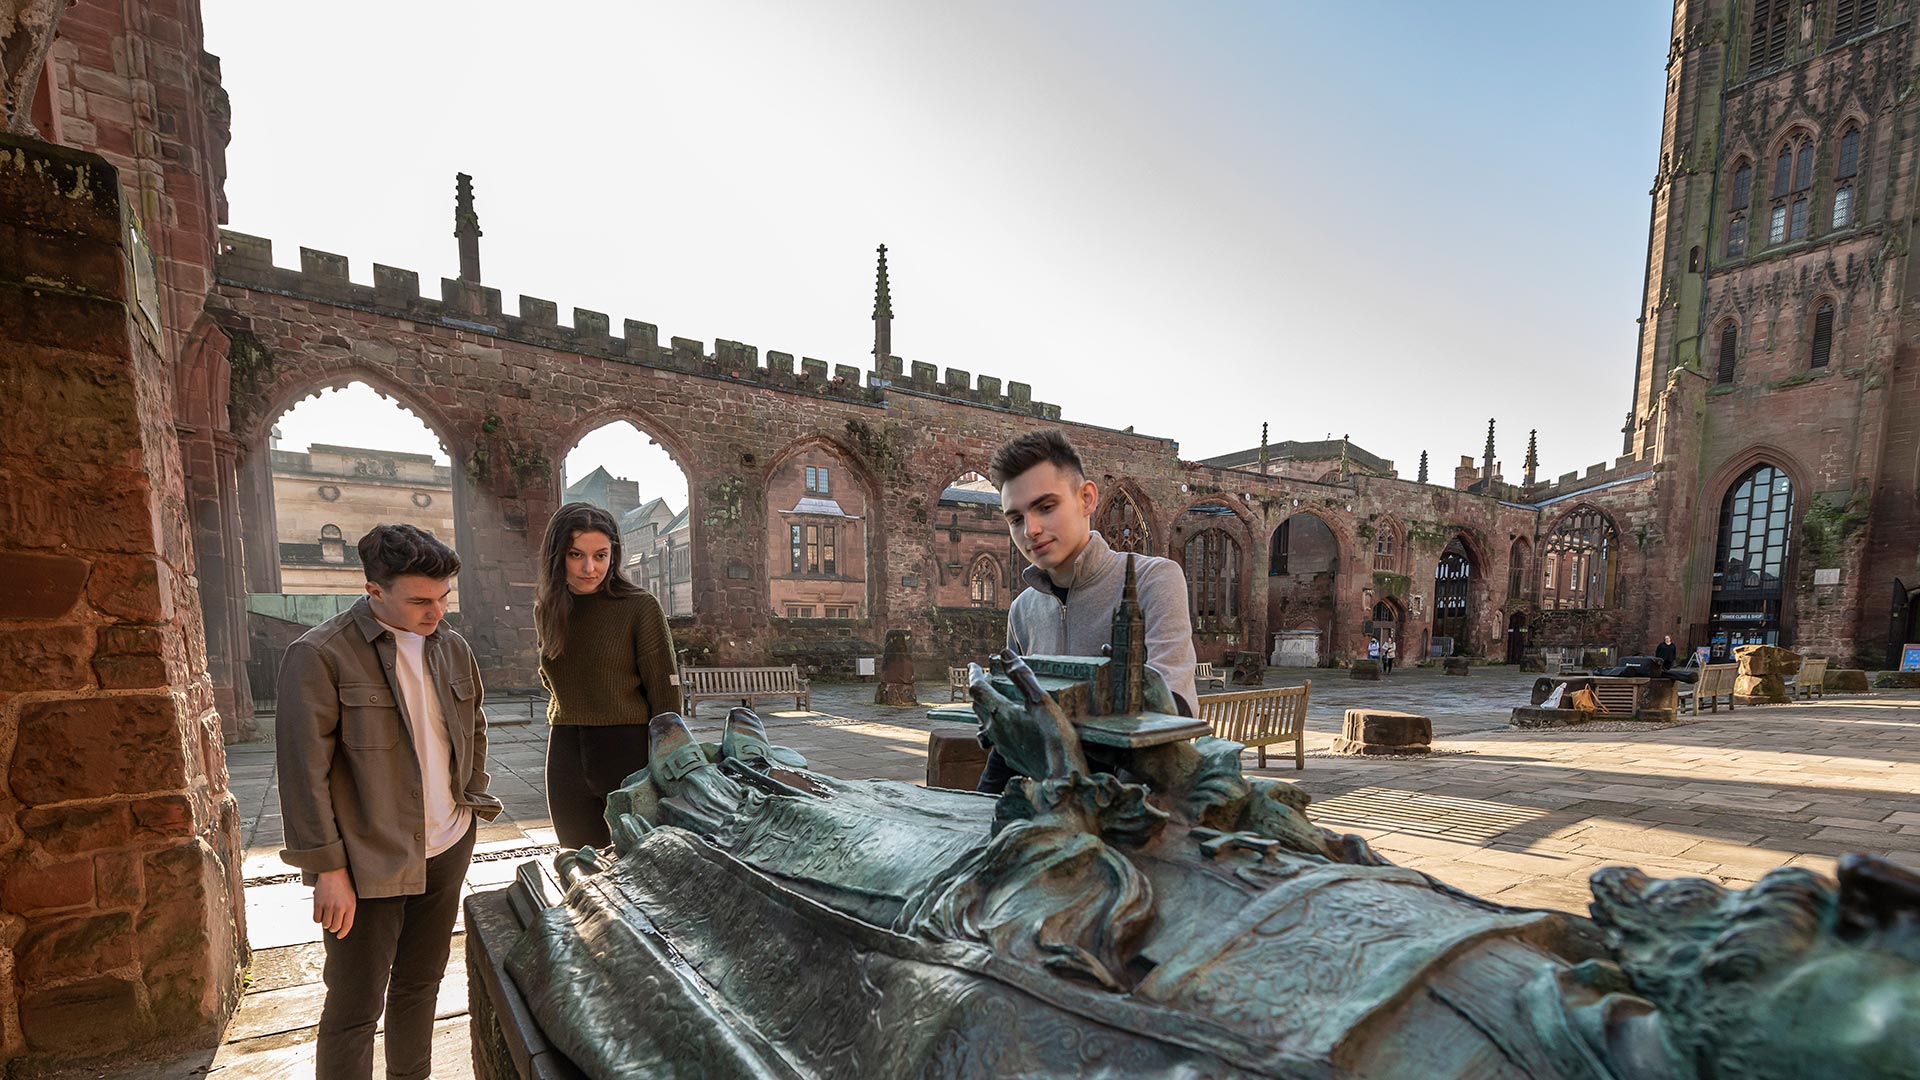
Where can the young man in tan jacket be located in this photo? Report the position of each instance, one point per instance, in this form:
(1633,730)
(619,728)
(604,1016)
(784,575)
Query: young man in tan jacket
(382,748)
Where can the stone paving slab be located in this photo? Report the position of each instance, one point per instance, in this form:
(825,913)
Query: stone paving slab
(1523,817)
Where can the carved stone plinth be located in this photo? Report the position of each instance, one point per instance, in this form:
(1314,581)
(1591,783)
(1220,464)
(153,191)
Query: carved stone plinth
(1455,665)
(1846,681)
(1898,680)
(1367,670)
(1381,731)
(896,671)
(1763,674)
(954,758)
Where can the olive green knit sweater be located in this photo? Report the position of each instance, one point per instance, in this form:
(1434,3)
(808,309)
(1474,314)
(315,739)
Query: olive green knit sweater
(618,667)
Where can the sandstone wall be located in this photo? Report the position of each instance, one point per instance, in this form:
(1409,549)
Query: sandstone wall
(122,928)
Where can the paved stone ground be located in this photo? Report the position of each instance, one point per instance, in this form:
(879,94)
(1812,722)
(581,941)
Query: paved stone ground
(1521,817)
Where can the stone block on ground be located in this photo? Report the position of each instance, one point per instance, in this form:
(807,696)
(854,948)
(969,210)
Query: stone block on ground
(1847,680)
(1898,680)
(1535,716)
(954,758)
(1763,674)
(1367,670)
(1383,731)
(1455,665)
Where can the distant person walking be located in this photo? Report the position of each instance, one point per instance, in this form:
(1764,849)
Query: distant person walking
(1373,648)
(1389,651)
(606,656)
(1665,652)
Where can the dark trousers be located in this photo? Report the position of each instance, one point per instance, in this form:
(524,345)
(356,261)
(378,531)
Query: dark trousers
(393,955)
(583,765)
(996,775)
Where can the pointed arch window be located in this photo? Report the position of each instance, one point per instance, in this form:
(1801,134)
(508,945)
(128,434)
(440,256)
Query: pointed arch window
(1792,181)
(983,582)
(1516,568)
(1123,526)
(1729,348)
(1212,561)
(1742,199)
(1843,206)
(1579,563)
(1822,334)
(1386,548)
(1742,184)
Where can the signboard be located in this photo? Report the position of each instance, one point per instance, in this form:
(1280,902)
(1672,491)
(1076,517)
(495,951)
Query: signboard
(1741,616)
(1827,577)
(1910,658)
(1702,656)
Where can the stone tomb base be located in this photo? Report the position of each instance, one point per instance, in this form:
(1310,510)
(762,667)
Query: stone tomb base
(1455,665)
(1365,670)
(954,758)
(1383,732)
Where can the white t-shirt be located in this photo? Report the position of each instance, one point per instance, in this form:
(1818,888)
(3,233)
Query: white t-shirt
(446,821)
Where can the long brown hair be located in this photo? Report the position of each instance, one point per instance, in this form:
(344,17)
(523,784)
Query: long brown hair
(552,600)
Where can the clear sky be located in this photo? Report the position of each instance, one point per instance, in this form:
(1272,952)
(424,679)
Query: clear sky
(1389,220)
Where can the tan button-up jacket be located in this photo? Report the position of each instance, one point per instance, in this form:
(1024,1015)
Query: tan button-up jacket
(349,778)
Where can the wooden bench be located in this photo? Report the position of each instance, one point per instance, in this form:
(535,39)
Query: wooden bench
(1715,682)
(1811,679)
(1261,718)
(956,684)
(745,685)
(1204,675)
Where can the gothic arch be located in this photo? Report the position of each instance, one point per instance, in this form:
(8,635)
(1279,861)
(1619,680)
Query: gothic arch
(644,422)
(298,384)
(873,573)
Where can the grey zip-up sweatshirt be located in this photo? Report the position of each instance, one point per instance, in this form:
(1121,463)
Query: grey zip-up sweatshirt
(1038,623)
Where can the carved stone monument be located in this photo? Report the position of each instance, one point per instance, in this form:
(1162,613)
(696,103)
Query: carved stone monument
(896,671)
(1133,906)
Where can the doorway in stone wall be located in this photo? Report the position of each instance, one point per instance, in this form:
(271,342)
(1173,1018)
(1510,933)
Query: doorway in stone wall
(1452,595)
(1516,637)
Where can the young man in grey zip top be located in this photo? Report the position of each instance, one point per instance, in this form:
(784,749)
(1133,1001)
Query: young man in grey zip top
(1075,577)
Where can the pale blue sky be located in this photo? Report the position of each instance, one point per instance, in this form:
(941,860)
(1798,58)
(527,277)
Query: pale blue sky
(1392,220)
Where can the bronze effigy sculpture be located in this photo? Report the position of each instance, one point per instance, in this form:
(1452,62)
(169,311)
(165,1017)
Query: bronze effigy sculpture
(1142,909)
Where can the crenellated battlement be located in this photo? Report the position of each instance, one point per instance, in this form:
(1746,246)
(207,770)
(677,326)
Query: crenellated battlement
(1597,475)
(247,262)
(958,385)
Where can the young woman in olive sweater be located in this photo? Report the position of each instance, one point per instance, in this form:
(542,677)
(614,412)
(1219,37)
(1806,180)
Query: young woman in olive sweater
(606,656)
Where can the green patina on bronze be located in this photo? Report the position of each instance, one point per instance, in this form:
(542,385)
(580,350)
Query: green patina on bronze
(1141,908)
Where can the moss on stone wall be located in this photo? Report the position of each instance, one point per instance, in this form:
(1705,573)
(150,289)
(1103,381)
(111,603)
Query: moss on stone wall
(1391,584)
(726,498)
(1828,526)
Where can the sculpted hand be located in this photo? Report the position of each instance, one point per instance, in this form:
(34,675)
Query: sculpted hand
(333,902)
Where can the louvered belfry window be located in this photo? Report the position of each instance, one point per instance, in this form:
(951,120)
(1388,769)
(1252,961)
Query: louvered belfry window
(1823,334)
(1853,17)
(1729,343)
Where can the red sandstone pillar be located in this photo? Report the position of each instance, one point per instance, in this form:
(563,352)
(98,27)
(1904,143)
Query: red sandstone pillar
(121,920)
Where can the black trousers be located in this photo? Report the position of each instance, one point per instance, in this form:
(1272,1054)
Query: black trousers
(393,956)
(583,765)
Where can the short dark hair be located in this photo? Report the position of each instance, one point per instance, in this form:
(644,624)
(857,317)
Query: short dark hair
(391,550)
(1023,452)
